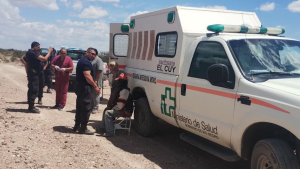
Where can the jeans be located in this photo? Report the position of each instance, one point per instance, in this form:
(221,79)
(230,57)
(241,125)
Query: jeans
(107,120)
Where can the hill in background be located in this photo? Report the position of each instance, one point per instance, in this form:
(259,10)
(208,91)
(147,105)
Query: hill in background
(11,55)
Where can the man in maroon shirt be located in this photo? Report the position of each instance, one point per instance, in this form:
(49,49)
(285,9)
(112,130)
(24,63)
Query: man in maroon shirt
(63,65)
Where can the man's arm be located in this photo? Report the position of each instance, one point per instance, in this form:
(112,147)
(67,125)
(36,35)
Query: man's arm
(99,74)
(25,63)
(42,58)
(45,66)
(90,80)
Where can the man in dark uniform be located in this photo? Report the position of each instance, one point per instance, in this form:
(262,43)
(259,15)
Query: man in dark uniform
(41,77)
(85,86)
(35,73)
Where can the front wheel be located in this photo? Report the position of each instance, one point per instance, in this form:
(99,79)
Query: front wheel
(273,154)
(145,121)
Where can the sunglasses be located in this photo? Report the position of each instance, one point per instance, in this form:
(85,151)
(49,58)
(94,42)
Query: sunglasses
(94,54)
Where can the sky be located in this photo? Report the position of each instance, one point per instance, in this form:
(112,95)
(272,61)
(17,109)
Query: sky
(85,23)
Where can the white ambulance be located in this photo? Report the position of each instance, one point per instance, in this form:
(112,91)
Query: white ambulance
(233,85)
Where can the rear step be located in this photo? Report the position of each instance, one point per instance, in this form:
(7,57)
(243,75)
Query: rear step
(210,147)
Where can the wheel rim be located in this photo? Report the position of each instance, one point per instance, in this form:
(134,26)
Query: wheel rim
(264,163)
(142,119)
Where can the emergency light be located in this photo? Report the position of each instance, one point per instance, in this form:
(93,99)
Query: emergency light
(244,29)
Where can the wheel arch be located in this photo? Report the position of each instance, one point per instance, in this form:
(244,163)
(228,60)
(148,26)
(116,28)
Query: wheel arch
(264,130)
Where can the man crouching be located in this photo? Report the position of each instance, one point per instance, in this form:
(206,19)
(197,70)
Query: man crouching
(121,103)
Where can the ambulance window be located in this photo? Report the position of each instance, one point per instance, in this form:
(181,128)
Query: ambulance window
(166,44)
(207,54)
(120,45)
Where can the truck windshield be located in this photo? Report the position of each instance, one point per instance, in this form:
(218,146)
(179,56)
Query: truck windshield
(268,58)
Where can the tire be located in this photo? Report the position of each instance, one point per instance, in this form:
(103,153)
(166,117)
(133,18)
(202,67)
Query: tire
(145,122)
(273,154)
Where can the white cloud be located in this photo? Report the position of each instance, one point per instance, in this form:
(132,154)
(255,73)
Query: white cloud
(127,20)
(77,6)
(267,6)
(65,1)
(93,34)
(105,0)
(294,6)
(215,7)
(8,13)
(68,22)
(280,26)
(117,5)
(93,12)
(44,4)
(62,33)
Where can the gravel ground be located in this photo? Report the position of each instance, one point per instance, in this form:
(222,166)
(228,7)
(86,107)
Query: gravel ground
(45,141)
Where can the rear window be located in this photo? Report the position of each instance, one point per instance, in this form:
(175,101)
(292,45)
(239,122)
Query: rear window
(75,55)
(44,52)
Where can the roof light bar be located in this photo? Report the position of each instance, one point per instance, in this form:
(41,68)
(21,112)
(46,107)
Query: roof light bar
(245,29)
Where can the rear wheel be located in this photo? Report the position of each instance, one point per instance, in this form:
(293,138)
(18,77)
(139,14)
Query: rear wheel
(273,154)
(145,121)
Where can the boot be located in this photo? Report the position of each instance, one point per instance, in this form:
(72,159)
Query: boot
(33,110)
(84,130)
(76,127)
(40,102)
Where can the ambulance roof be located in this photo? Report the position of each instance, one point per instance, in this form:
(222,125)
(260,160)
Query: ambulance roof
(236,36)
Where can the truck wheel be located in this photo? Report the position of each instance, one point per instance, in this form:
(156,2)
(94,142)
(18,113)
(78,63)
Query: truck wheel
(273,154)
(145,121)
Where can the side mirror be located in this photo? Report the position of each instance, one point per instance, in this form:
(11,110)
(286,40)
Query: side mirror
(218,75)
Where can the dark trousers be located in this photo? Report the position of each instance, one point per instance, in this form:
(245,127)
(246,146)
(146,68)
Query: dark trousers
(84,103)
(48,77)
(35,86)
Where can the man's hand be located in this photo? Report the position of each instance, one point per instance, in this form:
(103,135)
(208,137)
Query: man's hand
(98,90)
(56,67)
(62,69)
(50,50)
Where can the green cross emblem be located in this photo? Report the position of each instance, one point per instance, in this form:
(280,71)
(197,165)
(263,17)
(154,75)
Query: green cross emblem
(167,103)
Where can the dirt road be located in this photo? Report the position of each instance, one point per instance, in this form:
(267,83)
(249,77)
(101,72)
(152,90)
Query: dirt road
(44,140)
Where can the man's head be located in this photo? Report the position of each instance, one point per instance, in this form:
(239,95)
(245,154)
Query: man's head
(63,52)
(91,53)
(35,46)
(113,66)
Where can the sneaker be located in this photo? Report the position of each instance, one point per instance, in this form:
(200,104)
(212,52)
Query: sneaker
(40,101)
(55,107)
(48,90)
(85,131)
(100,130)
(61,108)
(33,110)
(95,111)
(108,135)
(76,127)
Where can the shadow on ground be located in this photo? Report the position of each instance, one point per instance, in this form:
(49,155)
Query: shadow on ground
(25,102)
(166,149)
(17,110)
(62,129)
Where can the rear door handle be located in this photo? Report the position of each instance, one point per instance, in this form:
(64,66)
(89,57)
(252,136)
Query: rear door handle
(244,100)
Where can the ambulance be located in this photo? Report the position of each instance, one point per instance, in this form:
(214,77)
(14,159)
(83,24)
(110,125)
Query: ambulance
(232,84)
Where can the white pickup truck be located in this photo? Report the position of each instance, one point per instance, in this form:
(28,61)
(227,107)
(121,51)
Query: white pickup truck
(233,85)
